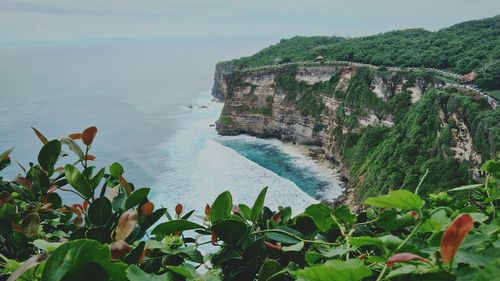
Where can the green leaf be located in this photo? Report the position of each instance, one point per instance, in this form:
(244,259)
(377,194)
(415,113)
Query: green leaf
(73,146)
(489,273)
(76,180)
(184,270)
(221,208)
(82,258)
(48,155)
(174,226)
(335,270)
(465,187)
(365,241)
(116,170)
(225,255)
(284,235)
(437,222)
(401,199)
(343,213)
(268,269)
(230,231)
(135,197)
(119,201)
(134,273)
(258,205)
(321,215)
(293,248)
(94,182)
(30,224)
(100,211)
(46,246)
(7,212)
(245,211)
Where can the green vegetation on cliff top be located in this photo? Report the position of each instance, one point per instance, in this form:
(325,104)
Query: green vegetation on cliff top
(462,48)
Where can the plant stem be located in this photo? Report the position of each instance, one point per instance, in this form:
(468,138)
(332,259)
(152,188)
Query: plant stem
(421,181)
(382,273)
(295,236)
(489,197)
(73,192)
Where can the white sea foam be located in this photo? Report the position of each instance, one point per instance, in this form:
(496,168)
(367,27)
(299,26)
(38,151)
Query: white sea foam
(199,167)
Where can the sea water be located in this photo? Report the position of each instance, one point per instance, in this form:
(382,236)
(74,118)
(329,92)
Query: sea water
(155,115)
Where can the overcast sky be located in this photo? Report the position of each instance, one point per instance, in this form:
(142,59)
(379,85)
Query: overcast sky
(56,21)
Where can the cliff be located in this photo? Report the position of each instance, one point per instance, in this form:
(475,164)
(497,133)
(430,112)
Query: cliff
(386,126)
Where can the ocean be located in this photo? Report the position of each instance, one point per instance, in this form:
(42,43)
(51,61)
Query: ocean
(152,106)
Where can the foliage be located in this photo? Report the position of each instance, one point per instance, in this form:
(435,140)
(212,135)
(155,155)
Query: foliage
(381,158)
(462,48)
(397,236)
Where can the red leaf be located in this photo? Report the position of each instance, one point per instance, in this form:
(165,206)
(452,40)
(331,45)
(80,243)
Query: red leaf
(52,189)
(207,210)
(403,257)
(126,225)
(454,235)
(85,205)
(88,135)
(273,246)
(124,183)
(40,136)
(90,157)
(178,209)
(23,182)
(77,209)
(214,238)
(76,136)
(276,217)
(143,255)
(6,197)
(119,249)
(147,208)
(78,221)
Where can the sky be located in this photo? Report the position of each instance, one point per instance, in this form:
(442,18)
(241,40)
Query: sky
(65,21)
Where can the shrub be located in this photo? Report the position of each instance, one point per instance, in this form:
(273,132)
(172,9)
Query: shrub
(397,236)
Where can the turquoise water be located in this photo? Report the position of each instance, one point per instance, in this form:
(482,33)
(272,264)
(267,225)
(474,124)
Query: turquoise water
(270,156)
(139,97)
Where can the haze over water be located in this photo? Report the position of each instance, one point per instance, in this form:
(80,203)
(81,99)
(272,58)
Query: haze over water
(138,97)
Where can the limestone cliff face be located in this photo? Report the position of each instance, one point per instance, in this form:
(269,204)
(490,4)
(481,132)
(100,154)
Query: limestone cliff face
(221,69)
(256,105)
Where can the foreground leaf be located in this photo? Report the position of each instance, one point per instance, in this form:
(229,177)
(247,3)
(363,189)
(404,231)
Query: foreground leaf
(88,135)
(126,225)
(401,199)
(221,209)
(454,235)
(258,205)
(49,154)
(171,227)
(321,215)
(40,136)
(76,180)
(82,260)
(335,270)
(134,273)
(100,211)
(404,257)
